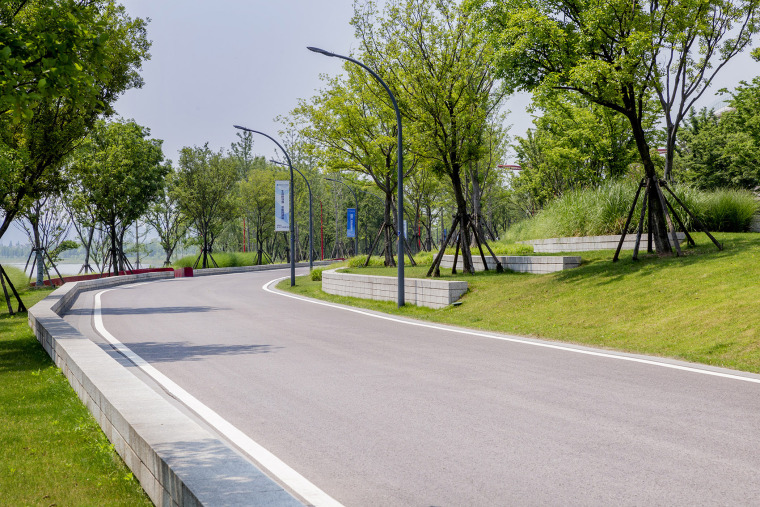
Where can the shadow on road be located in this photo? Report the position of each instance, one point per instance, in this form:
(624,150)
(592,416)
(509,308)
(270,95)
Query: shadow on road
(164,352)
(145,311)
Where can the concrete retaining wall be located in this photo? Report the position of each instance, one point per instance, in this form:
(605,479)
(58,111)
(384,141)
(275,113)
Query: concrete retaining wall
(522,263)
(430,293)
(589,243)
(176,460)
(263,267)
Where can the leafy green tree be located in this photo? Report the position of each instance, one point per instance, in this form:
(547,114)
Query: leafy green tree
(120,172)
(574,143)
(353,126)
(63,63)
(205,192)
(724,151)
(165,217)
(620,54)
(441,69)
(257,202)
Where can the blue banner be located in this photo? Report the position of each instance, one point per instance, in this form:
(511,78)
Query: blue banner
(282,206)
(351,223)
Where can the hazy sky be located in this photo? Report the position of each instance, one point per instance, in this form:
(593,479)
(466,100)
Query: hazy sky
(215,64)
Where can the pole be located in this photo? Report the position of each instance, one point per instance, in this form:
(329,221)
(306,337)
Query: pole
(356,203)
(400,174)
(292,204)
(311,234)
(321,233)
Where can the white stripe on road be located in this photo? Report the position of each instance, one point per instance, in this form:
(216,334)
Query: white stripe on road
(514,339)
(311,493)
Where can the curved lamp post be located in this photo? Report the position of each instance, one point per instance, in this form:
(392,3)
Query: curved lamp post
(311,261)
(292,199)
(356,203)
(400,176)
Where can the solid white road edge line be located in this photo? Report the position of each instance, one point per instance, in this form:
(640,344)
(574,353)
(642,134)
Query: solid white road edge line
(303,487)
(267,287)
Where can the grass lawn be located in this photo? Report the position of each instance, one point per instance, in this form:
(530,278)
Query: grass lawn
(703,307)
(52,452)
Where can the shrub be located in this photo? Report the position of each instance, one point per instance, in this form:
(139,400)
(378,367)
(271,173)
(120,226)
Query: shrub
(602,211)
(359,260)
(316,274)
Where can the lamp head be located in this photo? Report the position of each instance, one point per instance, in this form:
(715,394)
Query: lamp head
(321,51)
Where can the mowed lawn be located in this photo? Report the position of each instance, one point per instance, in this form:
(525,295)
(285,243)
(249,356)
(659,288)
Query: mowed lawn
(52,452)
(703,307)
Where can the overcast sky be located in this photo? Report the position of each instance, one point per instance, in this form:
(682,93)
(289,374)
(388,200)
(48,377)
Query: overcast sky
(215,64)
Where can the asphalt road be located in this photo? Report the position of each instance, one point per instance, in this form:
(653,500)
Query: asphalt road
(380,412)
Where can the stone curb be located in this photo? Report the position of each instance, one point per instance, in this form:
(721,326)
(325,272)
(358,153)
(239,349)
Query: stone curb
(178,462)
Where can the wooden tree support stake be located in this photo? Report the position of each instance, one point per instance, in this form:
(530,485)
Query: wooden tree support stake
(628,222)
(21,306)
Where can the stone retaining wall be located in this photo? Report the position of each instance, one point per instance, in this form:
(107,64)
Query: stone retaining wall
(178,462)
(430,293)
(589,243)
(522,263)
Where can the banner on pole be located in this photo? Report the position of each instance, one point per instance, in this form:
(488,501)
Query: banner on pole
(351,223)
(282,206)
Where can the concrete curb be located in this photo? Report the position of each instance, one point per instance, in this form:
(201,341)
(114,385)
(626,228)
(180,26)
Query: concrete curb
(178,462)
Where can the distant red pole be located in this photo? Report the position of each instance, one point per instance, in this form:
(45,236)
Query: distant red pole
(419,237)
(321,232)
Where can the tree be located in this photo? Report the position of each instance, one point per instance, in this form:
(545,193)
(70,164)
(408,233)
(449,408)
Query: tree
(119,169)
(441,71)
(353,125)
(63,63)
(621,54)
(723,151)
(165,217)
(205,192)
(574,143)
(46,225)
(257,196)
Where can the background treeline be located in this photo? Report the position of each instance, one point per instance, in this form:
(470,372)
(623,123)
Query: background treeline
(75,176)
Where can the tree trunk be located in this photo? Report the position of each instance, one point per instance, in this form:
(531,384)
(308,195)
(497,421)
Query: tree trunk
(388,234)
(464,235)
(112,230)
(659,224)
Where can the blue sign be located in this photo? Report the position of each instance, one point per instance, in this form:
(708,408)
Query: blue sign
(351,223)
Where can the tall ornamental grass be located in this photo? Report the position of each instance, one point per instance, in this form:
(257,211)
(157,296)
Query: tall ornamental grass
(603,211)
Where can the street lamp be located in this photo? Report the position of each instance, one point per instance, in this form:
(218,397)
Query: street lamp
(292,199)
(311,262)
(356,203)
(400,175)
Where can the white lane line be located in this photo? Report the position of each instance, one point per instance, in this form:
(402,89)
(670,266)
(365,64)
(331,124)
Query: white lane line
(512,339)
(303,487)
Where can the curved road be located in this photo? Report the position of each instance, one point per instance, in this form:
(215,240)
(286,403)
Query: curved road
(380,411)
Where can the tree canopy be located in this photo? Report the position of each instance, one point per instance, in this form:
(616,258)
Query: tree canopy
(63,63)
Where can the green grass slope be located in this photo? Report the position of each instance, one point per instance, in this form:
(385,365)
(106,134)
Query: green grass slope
(703,307)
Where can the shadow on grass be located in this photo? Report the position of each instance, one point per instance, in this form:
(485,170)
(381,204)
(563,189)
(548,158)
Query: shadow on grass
(165,352)
(22,353)
(608,272)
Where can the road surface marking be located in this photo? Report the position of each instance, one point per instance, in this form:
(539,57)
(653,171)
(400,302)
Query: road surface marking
(303,487)
(535,343)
